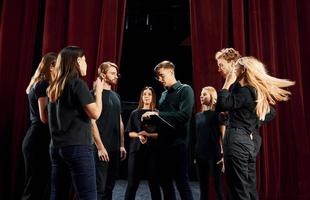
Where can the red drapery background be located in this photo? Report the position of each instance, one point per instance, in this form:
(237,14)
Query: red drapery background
(36,27)
(276,32)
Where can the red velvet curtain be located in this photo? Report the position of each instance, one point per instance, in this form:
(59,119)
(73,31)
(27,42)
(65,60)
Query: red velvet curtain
(276,32)
(96,26)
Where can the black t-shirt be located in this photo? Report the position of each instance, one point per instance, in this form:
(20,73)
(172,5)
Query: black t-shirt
(208,135)
(135,125)
(109,120)
(38,90)
(69,123)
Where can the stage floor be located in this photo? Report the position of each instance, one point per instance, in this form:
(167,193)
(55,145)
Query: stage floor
(143,192)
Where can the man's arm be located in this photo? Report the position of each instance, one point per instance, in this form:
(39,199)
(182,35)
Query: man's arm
(186,103)
(102,152)
(122,139)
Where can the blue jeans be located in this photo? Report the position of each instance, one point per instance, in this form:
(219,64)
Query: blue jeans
(79,161)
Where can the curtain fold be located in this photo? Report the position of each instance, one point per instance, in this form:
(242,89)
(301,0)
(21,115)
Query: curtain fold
(209,27)
(17,36)
(277,34)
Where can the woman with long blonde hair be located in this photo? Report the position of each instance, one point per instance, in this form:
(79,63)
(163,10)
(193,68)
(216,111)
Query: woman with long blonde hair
(247,105)
(70,108)
(35,145)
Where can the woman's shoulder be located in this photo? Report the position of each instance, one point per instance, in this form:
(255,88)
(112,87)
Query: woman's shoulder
(40,88)
(77,83)
(206,113)
(135,111)
(41,84)
(75,80)
(248,90)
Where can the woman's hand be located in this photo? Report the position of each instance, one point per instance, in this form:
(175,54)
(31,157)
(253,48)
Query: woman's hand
(98,85)
(143,139)
(148,114)
(144,133)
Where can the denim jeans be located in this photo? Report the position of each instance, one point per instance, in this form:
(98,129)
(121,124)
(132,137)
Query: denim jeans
(79,161)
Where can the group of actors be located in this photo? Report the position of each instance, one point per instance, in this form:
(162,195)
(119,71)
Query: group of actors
(76,136)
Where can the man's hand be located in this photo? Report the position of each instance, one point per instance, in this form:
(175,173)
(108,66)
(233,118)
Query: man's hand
(230,78)
(123,153)
(103,155)
(148,114)
(221,164)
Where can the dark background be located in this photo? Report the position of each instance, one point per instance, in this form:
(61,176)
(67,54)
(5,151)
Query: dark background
(154,31)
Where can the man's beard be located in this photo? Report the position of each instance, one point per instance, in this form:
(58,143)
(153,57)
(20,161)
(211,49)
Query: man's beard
(111,82)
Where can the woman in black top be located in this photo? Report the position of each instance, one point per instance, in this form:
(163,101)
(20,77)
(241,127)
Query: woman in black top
(247,104)
(70,108)
(36,142)
(208,144)
(143,147)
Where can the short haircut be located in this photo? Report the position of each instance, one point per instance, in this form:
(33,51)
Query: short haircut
(164,64)
(103,67)
(228,54)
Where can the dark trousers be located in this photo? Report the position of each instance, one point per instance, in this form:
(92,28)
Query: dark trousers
(252,167)
(174,166)
(35,149)
(207,168)
(239,152)
(145,159)
(106,174)
(79,161)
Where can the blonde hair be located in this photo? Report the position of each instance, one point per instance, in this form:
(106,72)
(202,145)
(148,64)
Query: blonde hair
(229,54)
(43,71)
(269,89)
(213,99)
(66,68)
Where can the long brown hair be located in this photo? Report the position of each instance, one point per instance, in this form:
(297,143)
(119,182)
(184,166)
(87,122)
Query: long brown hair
(43,71)
(66,68)
(153,103)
